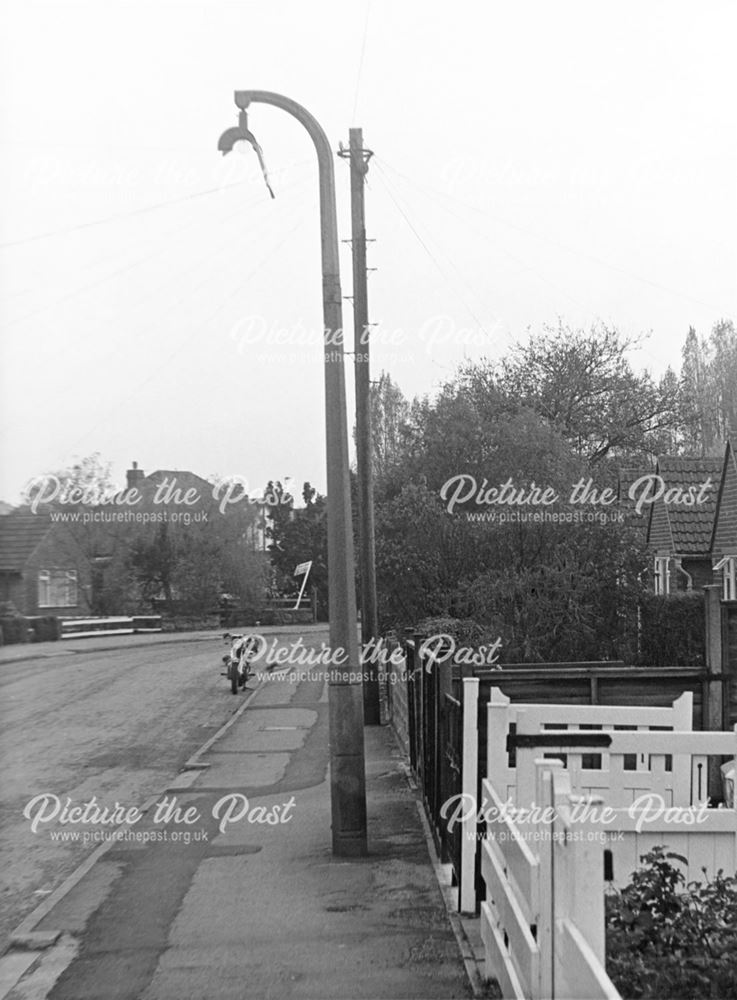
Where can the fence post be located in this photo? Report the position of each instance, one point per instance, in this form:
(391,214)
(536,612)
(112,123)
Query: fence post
(409,652)
(498,716)
(469,772)
(546,921)
(713,710)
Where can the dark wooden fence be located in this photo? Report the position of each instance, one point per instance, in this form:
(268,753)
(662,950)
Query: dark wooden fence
(435,713)
(435,735)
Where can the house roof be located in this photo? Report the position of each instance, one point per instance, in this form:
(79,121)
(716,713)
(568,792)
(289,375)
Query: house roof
(690,524)
(627,475)
(726,514)
(179,482)
(20,533)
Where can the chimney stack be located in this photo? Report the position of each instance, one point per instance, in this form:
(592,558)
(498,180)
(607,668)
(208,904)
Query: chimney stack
(134,475)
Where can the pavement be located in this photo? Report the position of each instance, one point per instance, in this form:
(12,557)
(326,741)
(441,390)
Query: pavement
(227,887)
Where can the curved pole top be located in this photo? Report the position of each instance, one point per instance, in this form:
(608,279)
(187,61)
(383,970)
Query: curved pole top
(243,98)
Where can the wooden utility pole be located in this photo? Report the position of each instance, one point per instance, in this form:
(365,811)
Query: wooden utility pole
(359,158)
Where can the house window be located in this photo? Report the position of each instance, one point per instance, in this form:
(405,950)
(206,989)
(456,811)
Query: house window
(662,577)
(57,588)
(729,578)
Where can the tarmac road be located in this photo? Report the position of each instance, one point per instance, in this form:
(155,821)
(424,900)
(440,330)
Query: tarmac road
(215,905)
(115,725)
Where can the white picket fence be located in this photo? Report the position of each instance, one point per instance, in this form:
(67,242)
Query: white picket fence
(680,780)
(542,922)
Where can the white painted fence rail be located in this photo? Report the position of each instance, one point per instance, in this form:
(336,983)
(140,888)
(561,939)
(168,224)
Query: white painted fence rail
(542,861)
(639,817)
(85,628)
(503,715)
(542,923)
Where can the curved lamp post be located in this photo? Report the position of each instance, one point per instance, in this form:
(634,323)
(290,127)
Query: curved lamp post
(347,767)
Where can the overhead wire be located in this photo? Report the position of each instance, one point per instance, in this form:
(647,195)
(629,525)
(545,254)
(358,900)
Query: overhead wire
(166,305)
(200,327)
(433,193)
(429,252)
(145,258)
(142,210)
(546,239)
(360,61)
(503,250)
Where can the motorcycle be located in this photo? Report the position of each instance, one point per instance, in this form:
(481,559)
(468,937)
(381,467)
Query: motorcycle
(238,659)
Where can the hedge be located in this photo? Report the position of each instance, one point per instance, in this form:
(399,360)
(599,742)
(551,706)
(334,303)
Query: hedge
(14,629)
(45,628)
(673,630)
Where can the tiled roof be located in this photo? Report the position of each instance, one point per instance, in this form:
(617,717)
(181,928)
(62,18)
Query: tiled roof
(183,477)
(626,477)
(20,533)
(691,524)
(179,482)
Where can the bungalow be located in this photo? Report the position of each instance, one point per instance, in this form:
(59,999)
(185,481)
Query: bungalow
(681,522)
(43,571)
(724,535)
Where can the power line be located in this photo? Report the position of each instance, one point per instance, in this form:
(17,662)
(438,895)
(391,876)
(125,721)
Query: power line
(507,253)
(360,61)
(125,215)
(432,193)
(200,327)
(427,250)
(554,243)
(115,273)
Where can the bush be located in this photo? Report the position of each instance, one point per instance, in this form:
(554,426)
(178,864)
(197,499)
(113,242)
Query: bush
(668,940)
(673,630)
(465,631)
(45,628)
(15,629)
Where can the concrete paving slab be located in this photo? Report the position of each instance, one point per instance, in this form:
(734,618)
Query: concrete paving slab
(256,770)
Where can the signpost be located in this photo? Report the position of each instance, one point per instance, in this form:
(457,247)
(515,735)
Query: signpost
(305,568)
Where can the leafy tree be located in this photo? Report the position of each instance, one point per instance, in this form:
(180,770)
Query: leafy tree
(709,387)
(191,561)
(390,427)
(583,384)
(549,590)
(297,535)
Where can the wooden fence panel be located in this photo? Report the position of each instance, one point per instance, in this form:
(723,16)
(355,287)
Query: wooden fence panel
(542,923)
(620,783)
(509,911)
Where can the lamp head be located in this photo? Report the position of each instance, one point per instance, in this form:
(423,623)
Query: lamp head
(229,138)
(239,133)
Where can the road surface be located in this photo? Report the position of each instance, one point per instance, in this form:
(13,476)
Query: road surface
(114,725)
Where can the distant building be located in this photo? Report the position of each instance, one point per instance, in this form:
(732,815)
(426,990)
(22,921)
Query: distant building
(42,569)
(680,530)
(724,536)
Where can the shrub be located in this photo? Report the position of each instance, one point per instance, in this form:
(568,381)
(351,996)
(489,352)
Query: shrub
(666,940)
(15,629)
(673,630)
(465,631)
(45,628)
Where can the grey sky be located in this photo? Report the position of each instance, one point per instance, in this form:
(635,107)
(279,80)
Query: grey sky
(532,160)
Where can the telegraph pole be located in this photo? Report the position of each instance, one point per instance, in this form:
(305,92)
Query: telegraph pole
(347,762)
(359,158)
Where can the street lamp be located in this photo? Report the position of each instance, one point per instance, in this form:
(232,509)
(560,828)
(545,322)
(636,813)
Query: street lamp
(347,766)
